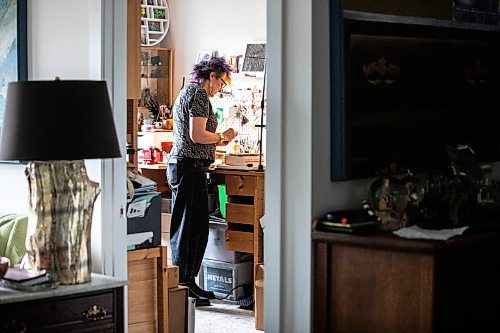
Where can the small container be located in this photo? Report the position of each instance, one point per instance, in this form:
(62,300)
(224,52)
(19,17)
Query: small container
(166,146)
(222,199)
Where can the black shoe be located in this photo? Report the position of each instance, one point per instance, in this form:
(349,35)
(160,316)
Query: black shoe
(200,292)
(199,301)
(247,303)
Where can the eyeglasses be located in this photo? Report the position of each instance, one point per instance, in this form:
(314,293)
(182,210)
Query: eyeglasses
(224,84)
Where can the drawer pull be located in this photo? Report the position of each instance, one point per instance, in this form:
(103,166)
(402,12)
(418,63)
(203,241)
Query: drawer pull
(95,312)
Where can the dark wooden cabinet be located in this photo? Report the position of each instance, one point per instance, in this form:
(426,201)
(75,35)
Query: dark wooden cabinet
(382,283)
(90,307)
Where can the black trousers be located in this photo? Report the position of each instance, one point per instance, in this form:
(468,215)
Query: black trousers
(189,226)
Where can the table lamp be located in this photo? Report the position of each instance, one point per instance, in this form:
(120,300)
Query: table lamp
(54,126)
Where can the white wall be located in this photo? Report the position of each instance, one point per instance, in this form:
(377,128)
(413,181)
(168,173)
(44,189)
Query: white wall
(222,25)
(59,44)
(298,186)
(290,145)
(59,39)
(14,193)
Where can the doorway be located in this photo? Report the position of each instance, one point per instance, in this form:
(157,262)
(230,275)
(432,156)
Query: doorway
(225,27)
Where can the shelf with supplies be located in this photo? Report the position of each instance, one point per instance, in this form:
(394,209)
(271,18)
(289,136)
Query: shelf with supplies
(156,74)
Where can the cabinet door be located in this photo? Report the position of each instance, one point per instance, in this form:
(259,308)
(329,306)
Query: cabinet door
(156,76)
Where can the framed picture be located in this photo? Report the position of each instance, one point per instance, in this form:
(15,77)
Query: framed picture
(206,55)
(13,57)
(13,47)
(159,13)
(255,58)
(154,26)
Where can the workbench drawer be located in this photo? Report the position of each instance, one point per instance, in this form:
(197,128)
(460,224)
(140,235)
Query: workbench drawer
(240,185)
(240,241)
(240,213)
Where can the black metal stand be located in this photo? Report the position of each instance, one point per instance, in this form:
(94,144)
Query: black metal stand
(261,126)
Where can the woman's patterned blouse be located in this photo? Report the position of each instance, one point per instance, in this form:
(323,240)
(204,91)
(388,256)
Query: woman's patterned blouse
(192,102)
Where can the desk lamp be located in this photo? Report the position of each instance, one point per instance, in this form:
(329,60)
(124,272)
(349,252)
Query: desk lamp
(54,126)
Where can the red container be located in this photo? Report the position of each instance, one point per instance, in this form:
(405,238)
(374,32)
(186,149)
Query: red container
(166,147)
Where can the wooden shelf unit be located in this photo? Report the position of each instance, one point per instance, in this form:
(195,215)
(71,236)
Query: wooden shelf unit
(156,73)
(245,207)
(143,73)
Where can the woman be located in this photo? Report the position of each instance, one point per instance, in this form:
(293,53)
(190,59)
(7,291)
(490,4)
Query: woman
(192,153)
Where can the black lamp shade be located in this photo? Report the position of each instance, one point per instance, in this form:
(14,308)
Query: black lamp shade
(58,120)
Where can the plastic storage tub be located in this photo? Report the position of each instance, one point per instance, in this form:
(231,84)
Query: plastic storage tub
(221,277)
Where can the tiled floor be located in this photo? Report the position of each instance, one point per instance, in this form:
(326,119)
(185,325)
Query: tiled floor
(224,317)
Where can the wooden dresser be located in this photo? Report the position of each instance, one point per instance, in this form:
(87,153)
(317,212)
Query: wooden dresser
(96,306)
(382,283)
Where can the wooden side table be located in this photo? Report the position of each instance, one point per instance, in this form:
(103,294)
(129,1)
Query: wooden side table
(96,306)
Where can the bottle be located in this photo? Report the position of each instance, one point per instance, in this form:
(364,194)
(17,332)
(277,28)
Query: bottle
(236,147)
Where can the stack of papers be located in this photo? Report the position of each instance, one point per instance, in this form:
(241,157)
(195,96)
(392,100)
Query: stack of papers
(140,204)
(415,232)
(143,184)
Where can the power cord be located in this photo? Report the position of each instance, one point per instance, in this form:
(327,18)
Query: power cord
(231,291)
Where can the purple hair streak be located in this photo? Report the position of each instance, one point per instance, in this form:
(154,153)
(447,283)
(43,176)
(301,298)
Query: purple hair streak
(201,71)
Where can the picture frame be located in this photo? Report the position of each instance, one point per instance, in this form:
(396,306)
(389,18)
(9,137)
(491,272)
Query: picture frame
(255,57)
(154,26)
(205,55)
(13,50)
(159,13)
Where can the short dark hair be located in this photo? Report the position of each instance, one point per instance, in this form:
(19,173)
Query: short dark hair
(202,70)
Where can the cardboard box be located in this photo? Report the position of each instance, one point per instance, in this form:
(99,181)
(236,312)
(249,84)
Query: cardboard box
(165,230)
(165,239)
(259,297)
(216,249)
(150,222)
(173,276)
(147,278)
(178,309)
(165,222)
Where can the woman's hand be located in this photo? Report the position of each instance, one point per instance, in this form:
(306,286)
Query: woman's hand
(229,135)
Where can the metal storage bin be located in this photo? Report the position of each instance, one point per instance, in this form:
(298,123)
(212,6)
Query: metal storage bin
(221,277)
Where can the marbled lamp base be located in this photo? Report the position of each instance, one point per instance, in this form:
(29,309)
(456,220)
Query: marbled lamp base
(61,204)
